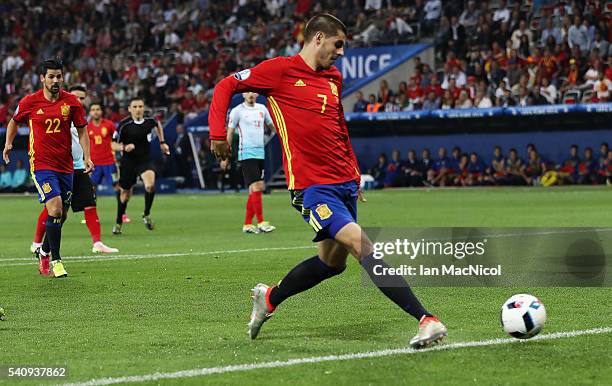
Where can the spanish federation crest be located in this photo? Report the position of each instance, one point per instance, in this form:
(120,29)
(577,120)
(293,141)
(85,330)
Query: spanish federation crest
(65,109)
(323,211)
(46,188)
(104,131)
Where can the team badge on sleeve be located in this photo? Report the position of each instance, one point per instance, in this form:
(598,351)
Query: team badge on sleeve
(323,211)
(243,75)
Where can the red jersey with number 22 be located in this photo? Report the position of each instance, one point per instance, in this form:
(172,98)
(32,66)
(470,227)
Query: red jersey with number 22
(50,146)
(101,137)
(307,111)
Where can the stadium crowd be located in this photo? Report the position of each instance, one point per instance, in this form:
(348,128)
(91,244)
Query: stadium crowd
(506,53)
(470,169)
(488,53)
(170,52)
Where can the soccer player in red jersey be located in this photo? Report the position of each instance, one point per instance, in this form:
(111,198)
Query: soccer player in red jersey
(322,172)
(50,113)
(101,133)
(83,195)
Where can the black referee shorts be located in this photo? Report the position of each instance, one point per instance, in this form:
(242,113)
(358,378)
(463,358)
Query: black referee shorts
(83,192)
(130,170)
(252,170)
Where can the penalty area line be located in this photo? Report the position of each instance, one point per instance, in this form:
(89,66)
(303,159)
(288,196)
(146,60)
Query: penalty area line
(332,358)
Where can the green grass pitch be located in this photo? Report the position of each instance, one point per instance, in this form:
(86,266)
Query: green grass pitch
(189,309)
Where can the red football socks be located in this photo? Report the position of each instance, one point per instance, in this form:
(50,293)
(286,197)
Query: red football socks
(248,218)
(93,223)
(257,205)
(41,226)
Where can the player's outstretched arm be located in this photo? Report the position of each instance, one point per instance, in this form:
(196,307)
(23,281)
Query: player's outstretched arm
(11,132)
(261,79)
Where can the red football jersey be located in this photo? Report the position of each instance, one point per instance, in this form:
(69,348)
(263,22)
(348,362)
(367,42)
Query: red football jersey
(307,112)
(50,146)
(101,137)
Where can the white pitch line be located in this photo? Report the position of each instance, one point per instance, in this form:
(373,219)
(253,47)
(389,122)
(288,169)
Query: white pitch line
(89,259)
(331,358)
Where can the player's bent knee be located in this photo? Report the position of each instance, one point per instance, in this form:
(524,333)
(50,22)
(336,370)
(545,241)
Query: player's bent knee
(150,188)
(257,186)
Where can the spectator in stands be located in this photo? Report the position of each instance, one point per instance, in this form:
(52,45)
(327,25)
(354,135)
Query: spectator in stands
(415,94)
(550,31)
(456,43)
(404,103)
(463,102)
(412,170)
(379,171)
(517,35)
(447,101)
(373,106)
(384,92)
(502,14)
(587,170)
(578,35)
(432,12)
(592,74)
(5,179)
(360,105)
(602,88)
(482,100)
(548,91)
(601,44)
(20,178)
(469,17)
(432,102)
(441,38)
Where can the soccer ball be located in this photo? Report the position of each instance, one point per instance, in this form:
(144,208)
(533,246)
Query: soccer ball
(523,316)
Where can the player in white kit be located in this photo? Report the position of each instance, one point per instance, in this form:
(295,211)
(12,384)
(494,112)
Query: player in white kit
(250,119)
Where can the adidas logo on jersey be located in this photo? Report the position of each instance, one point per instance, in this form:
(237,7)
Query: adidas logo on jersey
(300,83)
(40,112)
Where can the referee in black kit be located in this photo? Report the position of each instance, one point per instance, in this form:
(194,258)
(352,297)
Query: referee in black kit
(133,137)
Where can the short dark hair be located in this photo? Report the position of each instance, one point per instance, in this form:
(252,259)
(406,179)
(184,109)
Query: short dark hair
(96,103)
(77,87)
(323,22)
(50,64)
(136,98)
